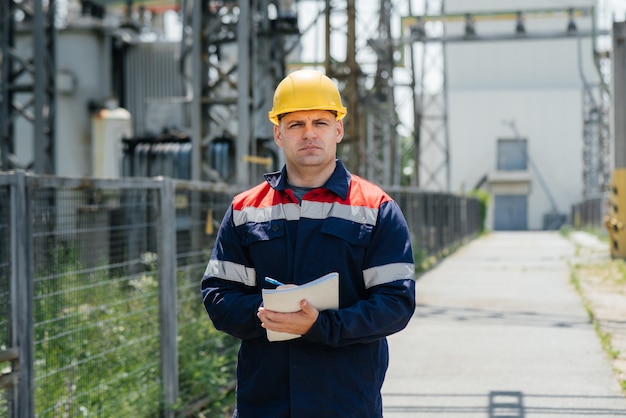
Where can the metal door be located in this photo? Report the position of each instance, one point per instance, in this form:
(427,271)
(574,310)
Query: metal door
(510,213)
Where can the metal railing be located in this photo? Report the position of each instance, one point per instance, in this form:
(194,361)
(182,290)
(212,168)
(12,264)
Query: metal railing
(590,212)
(100,310)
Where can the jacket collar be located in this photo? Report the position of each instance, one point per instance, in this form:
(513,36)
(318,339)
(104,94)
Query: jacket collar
(338,183)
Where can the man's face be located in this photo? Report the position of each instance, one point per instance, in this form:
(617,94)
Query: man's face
(309,138)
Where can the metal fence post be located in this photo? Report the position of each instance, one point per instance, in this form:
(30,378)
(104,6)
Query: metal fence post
(167,296)
(23,280)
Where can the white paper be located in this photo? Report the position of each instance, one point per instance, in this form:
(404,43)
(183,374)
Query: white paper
(322,293)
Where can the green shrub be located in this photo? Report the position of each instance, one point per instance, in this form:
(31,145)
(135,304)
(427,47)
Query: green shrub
(483,199)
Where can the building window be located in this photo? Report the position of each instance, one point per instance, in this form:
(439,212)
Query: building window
(512,155)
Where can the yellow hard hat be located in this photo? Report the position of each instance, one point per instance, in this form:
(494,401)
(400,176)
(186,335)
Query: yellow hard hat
(306,90)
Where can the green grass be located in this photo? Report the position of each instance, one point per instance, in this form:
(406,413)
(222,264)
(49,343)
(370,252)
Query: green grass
(604,336)
(207,357)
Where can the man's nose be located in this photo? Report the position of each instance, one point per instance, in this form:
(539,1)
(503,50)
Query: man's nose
(308,130)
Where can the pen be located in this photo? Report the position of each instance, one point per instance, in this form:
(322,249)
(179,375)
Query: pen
(274,282)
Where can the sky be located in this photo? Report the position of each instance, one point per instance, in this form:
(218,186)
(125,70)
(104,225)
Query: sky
(618,7)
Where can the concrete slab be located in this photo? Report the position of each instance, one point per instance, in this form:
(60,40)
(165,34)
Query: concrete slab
(499,331)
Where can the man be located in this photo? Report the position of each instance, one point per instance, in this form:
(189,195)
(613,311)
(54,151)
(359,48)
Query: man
(310,219)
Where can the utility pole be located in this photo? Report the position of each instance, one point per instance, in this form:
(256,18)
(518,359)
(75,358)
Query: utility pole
(351,93)
(348,73)
(417,111)
(383,148)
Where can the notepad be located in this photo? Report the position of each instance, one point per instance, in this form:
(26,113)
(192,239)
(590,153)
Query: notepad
(321,293)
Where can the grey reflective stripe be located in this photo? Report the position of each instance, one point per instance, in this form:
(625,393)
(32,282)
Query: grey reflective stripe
(288,211)
(228,270)
(358,214)
(310,210)
(291,211)
(388,273)
(315,210)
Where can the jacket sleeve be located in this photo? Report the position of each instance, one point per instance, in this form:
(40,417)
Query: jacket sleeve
(229,286)
(389,275)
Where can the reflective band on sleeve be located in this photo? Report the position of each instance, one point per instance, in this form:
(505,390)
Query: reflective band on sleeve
(228,270)
(388,273)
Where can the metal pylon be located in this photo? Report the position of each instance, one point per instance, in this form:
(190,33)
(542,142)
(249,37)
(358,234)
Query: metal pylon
(596,114)
(382,142)
(236,56)
(27,81)
(596,137)
(433,170)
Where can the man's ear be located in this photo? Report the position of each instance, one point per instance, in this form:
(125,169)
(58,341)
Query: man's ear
(340,131)
(278,139)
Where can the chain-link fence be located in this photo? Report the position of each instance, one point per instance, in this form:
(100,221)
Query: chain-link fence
(111,322)
(7,354)
(96,318)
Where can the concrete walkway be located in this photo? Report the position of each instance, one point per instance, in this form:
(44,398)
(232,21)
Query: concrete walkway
(499,331)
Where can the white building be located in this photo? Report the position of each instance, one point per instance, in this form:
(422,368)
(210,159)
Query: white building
(516,108)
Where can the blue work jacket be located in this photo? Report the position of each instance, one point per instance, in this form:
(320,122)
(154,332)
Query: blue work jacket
(349,226)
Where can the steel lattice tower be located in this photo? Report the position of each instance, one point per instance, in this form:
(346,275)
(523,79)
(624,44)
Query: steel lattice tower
(27,84)
(236,55)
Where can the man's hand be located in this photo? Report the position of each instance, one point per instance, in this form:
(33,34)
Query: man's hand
(294,322)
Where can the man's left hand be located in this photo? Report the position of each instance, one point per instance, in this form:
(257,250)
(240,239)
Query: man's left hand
(294,322)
